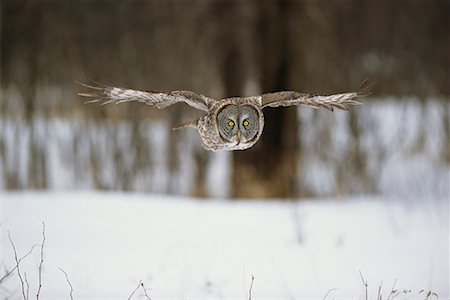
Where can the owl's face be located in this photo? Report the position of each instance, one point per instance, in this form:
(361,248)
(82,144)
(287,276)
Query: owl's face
(238,124)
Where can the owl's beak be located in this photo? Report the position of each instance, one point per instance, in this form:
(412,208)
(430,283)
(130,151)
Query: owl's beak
(238,137)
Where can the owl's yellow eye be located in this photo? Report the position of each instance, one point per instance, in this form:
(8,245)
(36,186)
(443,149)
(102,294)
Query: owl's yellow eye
(231,123)
(246,123)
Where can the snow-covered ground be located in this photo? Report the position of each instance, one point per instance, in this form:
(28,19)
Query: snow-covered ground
(184,248)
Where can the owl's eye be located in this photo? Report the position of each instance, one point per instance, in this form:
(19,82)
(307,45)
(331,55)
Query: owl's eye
(231,123)
(246,123)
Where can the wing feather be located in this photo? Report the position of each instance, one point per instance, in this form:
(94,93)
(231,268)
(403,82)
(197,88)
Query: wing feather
(329,102)
(117,95)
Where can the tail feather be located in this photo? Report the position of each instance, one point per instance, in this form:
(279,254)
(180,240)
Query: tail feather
(191,123)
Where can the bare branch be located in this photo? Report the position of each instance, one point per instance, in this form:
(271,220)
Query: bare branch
(394,293)
(379,290)
(68,282)
(250,289)
(8,273)
(28,285)
(429,294)
(41,263)
(139,285)
(22,283)
(329,291)
(145,292)
(365,284)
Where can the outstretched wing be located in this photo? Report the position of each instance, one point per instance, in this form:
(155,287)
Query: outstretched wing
(329,102)
(106,95)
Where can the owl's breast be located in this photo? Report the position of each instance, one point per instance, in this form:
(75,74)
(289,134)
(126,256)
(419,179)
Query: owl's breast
(209,133)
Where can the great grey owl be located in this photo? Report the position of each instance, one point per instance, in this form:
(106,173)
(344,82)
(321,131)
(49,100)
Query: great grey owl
(229,124)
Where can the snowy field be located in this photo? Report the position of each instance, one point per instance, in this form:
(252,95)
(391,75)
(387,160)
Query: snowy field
(184,248)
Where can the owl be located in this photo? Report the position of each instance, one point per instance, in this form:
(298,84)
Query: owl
(228,124)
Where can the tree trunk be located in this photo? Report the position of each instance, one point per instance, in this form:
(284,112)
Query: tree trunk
(269,169)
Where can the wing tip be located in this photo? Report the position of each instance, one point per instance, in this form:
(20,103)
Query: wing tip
(95,87)
(99,94)
(366,88)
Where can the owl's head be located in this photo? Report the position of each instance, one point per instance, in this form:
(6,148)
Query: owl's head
(239,124)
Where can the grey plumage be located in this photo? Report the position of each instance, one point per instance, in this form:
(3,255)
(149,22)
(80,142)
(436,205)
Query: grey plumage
(231,123)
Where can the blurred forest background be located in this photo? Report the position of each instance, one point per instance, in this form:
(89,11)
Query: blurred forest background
(397,142)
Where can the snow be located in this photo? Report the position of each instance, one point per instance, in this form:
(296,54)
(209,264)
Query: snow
(185,248)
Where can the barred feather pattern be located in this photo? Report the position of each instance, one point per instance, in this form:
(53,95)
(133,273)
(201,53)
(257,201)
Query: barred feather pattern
(245,111)
(330,102)
(117,95)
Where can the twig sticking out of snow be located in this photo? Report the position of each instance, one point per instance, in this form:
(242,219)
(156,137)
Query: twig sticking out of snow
(41,263)
(145,292)
(365,285)
(68,282)
(22,282)
(28,285)
(140,285)
(134,291)
(329,291)
(379,290)
(4,277)
(394,293)
(429,294)
(250,289)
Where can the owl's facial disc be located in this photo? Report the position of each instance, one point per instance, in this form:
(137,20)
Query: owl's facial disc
(238,124)
(227,120)
(248,123)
